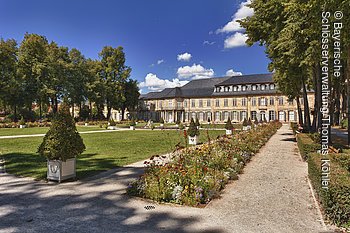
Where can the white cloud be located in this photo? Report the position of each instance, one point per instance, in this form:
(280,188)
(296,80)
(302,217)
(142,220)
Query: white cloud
(194,72)
(153,83)
(236,40)
(184,57)
(160,61)
(243,12)
(206,42)
(231,72)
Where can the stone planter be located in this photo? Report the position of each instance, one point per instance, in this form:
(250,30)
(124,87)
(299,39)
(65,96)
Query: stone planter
(192,140)
(132,127)
(58,170)
(112,127)
(228,131)
(22,126)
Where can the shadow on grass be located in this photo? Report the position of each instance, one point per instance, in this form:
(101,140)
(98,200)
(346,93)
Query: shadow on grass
(34,165)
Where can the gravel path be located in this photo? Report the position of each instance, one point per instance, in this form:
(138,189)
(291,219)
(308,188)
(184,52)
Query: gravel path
(271,196)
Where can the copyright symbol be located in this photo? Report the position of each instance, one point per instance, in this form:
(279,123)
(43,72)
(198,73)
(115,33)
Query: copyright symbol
(338,15)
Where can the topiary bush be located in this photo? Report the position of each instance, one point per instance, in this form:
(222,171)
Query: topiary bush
(62,141)
(228,124)
(193,130)
(197,123)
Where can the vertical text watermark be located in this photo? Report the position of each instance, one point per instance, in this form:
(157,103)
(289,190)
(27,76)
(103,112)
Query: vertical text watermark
(330,46)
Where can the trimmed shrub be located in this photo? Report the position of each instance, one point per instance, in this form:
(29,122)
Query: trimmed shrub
(197,123)
(228,124)
(62,141)
(306,145)
(336,199)
(192,129)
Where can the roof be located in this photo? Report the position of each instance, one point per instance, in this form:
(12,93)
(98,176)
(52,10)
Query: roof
(247,79)
(205,87)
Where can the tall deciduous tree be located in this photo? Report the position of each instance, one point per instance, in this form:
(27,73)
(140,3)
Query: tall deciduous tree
(114,74)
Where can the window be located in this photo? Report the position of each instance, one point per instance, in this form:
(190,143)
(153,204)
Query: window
(235,116)
(170,103)
(209,116)
(272,101)
(235,88)
(193,103)
(253,115)
(272,86)
(225,102)
(263,101)
(243,115)
(186,116)
(217,103)
(290,102)
(253,101)
(200,103)
(208,103)
(272,115)
(234,102)
(291,116)
(226,115)
(185,103)
(217,116)
(201,116)
(160,104)
(227,88)
(262,87)
(179,104)
(280,100)
(244,101)
(254,87)
(244,88)
(281,116)
(194,116)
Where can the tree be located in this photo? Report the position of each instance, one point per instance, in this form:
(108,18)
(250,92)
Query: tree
(131,96)
(32,69)
(114,74)
(10,83)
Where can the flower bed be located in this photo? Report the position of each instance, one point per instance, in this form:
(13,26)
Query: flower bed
(195,175)
(306,145)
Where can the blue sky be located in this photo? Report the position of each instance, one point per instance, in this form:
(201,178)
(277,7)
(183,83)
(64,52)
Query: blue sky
(167,43)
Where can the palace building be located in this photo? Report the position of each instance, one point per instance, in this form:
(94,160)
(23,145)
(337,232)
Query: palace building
(216,99)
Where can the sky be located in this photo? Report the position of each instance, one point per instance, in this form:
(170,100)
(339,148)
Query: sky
(167,43)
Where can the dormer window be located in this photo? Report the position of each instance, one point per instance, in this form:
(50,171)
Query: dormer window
(262,87)
(244,88)
(272,86)
(254,87)
(235,88)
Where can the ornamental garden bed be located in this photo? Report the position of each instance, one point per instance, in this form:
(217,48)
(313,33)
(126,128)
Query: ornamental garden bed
(195,175)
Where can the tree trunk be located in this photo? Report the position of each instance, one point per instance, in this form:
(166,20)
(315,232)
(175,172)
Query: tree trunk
(15,113)
(109,110)
(73,109)
(40,109)
(300,113)
(123,112)
(306,108)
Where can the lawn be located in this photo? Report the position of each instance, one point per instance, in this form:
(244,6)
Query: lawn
(40,130)
(104,151)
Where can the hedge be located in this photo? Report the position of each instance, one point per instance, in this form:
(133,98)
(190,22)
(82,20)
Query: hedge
(306,145)
(336,199)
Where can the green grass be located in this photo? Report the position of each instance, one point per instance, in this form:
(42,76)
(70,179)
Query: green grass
(219,126)
(104,151)
(40,130)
